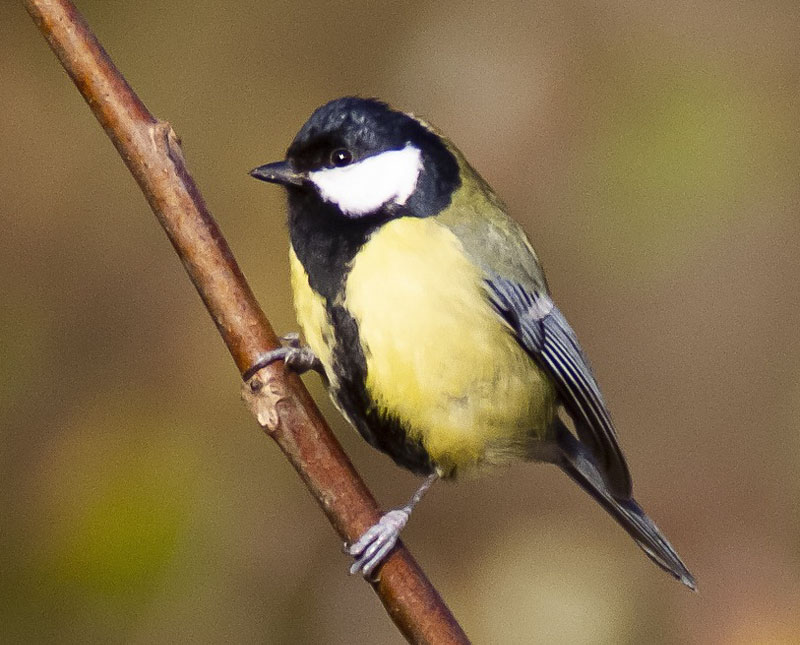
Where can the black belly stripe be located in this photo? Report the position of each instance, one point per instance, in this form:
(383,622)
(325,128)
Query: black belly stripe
(382,431)
(325,244)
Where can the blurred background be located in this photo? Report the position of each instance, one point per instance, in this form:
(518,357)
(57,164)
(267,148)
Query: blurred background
(651,151)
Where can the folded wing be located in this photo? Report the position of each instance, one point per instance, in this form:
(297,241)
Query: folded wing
(547,337)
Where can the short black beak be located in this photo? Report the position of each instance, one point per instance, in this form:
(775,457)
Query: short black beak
(279,172)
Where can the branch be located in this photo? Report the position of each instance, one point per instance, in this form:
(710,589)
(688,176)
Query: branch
(152,152)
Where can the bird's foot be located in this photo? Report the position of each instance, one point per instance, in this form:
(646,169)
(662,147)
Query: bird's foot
(371,549)
(300,358)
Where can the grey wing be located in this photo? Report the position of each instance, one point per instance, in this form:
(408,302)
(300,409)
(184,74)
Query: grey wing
(546,335)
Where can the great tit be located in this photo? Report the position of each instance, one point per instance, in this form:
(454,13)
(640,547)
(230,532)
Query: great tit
(427,311)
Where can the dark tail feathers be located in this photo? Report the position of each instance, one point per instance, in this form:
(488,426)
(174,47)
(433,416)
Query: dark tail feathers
(577,462)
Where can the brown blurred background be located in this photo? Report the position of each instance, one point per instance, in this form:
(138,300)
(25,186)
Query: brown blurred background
(651,151)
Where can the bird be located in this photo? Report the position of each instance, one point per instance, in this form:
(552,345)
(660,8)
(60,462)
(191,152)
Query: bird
(427,312)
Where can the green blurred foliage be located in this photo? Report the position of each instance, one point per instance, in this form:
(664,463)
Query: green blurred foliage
(652,152)
(685,148)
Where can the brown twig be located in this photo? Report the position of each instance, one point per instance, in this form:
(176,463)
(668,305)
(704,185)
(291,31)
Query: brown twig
(281,404)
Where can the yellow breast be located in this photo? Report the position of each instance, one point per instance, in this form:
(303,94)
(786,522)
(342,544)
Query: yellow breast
(438,356)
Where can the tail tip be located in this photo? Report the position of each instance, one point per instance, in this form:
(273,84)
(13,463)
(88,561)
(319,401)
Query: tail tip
(687,579)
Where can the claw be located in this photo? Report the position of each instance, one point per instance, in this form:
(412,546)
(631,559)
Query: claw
(375,544)
(302,359)
(377,559)
(371,549)
(299,358)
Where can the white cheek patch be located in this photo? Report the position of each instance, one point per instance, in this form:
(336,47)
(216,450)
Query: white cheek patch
(363,187)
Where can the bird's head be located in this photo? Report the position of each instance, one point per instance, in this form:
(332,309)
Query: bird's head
(365,159)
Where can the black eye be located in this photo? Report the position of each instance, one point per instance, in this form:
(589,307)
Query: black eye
(341,157)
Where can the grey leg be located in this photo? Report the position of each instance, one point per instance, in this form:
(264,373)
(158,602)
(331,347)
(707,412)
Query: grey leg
(375,544)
